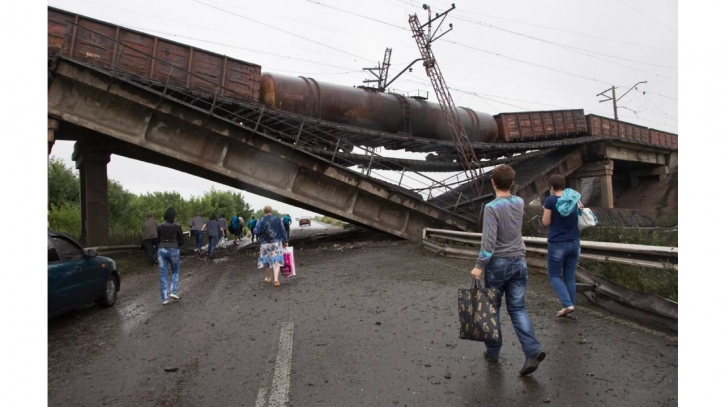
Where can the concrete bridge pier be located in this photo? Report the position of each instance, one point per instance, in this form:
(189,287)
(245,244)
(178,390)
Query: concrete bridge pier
(91,163)
(602,170)
(52,127)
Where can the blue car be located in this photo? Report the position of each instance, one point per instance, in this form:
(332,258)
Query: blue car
(77,277)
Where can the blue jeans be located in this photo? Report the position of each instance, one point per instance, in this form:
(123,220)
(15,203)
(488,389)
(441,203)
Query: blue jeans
(213,240)
(198,237)
(169,256)
(562,257)
(509,275)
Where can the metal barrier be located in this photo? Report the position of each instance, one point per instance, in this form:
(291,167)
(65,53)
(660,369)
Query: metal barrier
(641,306)
(466,244)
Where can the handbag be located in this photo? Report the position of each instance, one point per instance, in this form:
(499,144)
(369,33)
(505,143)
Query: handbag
(288,270)
(477,313)
(587,218)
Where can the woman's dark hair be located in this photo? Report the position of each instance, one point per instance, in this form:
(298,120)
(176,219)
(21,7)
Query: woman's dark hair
(558,182)
(212,217)
(221,215)
(170,215)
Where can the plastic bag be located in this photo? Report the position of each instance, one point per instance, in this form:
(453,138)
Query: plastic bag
(288,270)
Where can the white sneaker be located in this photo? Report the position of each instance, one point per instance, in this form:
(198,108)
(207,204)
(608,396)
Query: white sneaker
(174,296)
(165,302)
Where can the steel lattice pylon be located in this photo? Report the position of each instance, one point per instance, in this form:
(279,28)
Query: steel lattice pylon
(463,145)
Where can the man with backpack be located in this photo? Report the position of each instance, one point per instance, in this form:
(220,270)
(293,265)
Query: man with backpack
(251,225)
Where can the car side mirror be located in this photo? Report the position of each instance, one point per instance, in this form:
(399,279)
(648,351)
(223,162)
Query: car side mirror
(91,253)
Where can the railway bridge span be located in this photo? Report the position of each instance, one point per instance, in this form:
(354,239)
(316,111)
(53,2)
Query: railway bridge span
(108,115)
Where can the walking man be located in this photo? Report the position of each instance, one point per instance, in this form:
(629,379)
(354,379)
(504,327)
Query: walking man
(223,225)
(213,231)
(151,238)
(503,257)
(236,225)
(196,224)
(287,221)
(251,225)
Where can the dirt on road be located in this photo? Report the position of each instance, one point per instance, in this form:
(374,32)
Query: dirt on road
(369,322)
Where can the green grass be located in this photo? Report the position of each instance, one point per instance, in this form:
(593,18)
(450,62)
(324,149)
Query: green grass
(656,281)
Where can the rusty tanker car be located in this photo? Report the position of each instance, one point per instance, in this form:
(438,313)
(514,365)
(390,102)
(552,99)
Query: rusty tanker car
(157,60)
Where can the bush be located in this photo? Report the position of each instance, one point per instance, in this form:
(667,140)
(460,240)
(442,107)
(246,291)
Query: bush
(65,219)
(329,221)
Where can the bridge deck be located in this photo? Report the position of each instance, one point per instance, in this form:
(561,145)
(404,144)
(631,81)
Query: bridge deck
(151,126)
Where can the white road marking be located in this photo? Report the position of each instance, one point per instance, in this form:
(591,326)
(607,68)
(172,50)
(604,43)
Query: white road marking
(282,368)
(261,397)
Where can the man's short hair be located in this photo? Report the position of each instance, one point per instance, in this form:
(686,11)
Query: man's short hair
(267,209)
(558,182)
(150,215)
(503,176)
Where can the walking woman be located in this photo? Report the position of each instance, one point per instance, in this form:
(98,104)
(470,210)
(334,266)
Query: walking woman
(560,214)
(171,238)
(272,240)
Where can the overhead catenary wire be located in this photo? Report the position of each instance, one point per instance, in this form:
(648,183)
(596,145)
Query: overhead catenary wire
(569,47)
(478,49)
(281,30)
(546,27)
(646,16)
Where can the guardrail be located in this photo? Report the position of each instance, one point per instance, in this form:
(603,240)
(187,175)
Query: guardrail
(450,242)
(642,306)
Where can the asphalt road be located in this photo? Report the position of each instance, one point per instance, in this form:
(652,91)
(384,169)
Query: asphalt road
(363,324)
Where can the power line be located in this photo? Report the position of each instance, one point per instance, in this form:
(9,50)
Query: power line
(657,107)
(356,14)
(199,26)
(238,47)
(566,31)
(524,62)
(569,47)
(281,30)
(475,48)
(645,15)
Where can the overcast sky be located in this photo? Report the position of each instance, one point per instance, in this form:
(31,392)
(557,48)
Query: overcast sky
(502,56)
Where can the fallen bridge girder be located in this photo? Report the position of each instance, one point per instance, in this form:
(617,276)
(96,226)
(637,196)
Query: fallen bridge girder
(241,157)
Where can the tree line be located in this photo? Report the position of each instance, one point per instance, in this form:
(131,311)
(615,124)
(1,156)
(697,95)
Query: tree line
(126,210)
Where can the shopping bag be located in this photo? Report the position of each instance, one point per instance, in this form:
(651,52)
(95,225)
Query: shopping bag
(288,270)
(477,314)
(587,218)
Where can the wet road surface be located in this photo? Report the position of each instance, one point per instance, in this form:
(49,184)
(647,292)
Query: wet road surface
(363,324)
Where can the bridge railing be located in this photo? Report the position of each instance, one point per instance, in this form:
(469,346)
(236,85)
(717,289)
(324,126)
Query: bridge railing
(641,306)
(467,244)
(310,136)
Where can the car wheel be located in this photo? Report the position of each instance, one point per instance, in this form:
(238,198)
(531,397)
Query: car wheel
(109,295)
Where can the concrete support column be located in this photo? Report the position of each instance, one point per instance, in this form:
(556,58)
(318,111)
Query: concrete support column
(575,184)
(607,191)
(91,163)
(52,127)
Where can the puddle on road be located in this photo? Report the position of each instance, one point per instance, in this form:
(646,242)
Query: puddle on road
(132,313)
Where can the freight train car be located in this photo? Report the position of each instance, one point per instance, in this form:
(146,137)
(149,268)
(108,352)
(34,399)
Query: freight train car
(148,58)
(102,44)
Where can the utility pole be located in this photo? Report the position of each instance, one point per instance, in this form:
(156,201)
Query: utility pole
(615,99)
(382,71)
(466,153)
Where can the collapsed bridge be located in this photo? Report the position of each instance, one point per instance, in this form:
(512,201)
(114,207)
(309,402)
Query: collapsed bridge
(119,91)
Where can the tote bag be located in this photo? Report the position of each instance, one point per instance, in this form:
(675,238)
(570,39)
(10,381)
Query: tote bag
(477,313)
(587,218)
